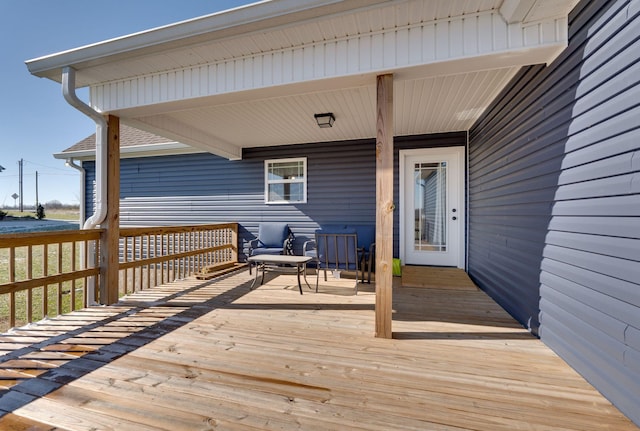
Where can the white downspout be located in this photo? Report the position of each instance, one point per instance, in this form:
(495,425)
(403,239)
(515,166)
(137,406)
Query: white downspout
(83,175)
(69,92)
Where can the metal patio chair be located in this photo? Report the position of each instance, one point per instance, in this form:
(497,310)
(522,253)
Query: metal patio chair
(273,238)
(337,251)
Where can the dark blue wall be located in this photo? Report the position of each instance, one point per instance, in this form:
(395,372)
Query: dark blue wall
(554,183)
(203,188)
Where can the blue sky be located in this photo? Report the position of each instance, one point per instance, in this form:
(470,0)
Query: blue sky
(35,121)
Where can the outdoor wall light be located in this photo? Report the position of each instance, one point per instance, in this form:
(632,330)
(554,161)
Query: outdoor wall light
(325,120)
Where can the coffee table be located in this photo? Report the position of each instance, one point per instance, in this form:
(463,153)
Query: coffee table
(275,262)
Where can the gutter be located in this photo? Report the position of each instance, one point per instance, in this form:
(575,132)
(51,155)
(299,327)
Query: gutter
(69,92)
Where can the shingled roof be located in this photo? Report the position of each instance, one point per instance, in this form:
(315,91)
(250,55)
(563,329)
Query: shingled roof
(129,137)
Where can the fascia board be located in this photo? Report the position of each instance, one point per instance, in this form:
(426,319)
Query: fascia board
(252,17)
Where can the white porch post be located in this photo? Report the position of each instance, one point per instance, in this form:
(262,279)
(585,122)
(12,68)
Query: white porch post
(109,240)
(384,205)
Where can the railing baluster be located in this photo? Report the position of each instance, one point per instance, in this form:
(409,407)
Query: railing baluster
(170,262)
(125,258)
(155,265)
(73,269)
(174,262)
(133,270)
(12,278)
(45,288)
(187,260)
(29,300)
(186,263)
(150,266)
(201,245)
(162,264)
(189,244)
(59,270)
(180,262)
(83,265)
(85,280)
(147,255)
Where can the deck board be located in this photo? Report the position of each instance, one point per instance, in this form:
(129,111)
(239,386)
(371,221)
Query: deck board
(216,355)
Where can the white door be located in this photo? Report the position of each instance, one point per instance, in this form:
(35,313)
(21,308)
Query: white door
(432,207)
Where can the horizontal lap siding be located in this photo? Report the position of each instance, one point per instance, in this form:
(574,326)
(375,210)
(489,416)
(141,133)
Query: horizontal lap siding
(203,188)
(554,195)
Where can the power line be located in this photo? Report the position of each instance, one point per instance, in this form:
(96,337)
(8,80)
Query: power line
(49,174)
(45,166)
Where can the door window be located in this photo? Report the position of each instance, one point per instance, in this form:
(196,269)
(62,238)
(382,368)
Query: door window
(430,206)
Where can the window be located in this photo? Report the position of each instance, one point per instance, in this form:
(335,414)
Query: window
(285,181)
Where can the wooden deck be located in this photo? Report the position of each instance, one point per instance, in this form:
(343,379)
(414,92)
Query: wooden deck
(205,355)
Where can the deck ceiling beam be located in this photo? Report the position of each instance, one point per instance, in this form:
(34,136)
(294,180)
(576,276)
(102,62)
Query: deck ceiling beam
(516,10)
(187,134)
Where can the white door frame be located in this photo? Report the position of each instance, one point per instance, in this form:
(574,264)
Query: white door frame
(459,204)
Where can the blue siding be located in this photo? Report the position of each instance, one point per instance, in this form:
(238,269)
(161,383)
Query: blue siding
(203,188)
(554,200)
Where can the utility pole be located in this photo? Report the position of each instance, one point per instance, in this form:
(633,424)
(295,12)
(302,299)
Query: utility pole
(37,201)
(20,163)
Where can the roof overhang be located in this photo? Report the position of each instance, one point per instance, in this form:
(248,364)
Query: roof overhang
(256,75)
(250,18)
(147,150)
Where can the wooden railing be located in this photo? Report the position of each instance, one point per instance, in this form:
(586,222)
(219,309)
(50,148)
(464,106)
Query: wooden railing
(50,273)
(45,274)
(157,255)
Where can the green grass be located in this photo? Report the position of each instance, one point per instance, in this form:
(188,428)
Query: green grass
(62,215)
(58,214)
(58,295)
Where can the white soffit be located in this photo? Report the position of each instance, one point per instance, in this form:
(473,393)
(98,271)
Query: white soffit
(432,104)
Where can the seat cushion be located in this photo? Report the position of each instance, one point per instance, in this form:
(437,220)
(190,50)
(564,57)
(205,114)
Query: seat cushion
(366,236)
(342,229)
(272,235)
(266,250)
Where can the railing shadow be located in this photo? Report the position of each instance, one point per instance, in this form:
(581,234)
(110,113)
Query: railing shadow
(32,388)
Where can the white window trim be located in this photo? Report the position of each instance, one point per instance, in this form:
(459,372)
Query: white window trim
(267,182)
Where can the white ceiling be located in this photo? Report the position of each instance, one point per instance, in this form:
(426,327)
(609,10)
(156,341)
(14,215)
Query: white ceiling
(424,105)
